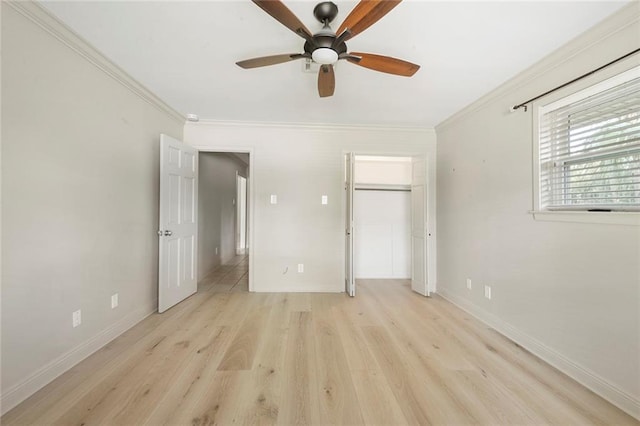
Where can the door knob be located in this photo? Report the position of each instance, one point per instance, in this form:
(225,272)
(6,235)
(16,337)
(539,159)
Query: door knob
(168,233)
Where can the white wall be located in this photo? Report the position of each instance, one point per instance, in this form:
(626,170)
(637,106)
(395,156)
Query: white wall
(79,199)
(299,164)
(382,234)
(216,209)
(569,292)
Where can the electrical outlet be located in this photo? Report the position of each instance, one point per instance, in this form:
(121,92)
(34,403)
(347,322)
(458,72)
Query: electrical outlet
(114,300)
(77,318)
(274,199)
(300,267)
(469,283)
(325,200)
(487,292)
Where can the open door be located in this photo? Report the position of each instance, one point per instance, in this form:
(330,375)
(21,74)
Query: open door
(350,282)
(419,282)
(177,277)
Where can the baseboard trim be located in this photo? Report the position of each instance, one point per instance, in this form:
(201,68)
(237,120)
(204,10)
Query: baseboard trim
(590,380)
(46,374)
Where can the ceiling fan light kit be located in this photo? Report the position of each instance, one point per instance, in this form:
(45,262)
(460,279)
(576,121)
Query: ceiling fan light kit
(327,47)
(325,56)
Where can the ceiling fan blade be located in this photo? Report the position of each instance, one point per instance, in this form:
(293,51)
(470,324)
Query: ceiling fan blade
(283,15)
(365,14)
(383,63)
(268,60)
(326,81)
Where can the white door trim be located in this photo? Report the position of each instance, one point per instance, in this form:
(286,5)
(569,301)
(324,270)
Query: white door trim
(431,206)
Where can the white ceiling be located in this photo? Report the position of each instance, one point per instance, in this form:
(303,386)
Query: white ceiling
(185,52)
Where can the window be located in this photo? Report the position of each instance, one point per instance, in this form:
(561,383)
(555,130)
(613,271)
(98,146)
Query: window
(589,148)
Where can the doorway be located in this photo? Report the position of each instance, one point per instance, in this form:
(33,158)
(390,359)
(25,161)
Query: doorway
(223,261)
(197,221)
(386,207)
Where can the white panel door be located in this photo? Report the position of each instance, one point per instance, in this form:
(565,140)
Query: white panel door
(350,282)
(177,277)
(419,226)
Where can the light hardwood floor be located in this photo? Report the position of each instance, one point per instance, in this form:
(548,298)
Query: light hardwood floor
(387,356)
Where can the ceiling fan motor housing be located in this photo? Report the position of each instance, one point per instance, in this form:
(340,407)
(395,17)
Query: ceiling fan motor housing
(325,12)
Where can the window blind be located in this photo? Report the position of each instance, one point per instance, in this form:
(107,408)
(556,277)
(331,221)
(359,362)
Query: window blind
(589,150)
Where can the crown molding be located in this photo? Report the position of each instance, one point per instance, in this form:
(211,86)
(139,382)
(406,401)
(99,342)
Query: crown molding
(619,21)
(311,126)
(51,24)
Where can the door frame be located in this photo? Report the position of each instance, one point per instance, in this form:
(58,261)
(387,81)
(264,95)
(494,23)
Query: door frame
(431,207)
(250,197)
(239,232)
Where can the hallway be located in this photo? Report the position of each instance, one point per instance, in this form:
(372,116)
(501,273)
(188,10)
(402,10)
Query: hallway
(230,277)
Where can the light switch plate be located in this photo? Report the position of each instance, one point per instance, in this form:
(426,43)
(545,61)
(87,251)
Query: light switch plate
(77,318)
(274,199)
(325,200)
(487,292)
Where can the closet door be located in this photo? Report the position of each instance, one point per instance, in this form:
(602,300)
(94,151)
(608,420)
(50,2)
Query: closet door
(419,226)
(350,282)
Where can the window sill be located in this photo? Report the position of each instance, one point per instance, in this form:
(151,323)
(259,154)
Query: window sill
(611,218)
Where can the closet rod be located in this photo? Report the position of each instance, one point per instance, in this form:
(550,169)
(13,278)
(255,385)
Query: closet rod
(383,189)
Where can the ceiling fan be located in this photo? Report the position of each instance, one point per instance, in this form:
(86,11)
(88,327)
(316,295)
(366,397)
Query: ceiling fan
(327,47)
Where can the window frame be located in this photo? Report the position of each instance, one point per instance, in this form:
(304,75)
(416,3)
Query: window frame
(606,79)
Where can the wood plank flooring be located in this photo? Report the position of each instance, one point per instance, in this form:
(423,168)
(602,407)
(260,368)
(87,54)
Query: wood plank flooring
(387,356)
